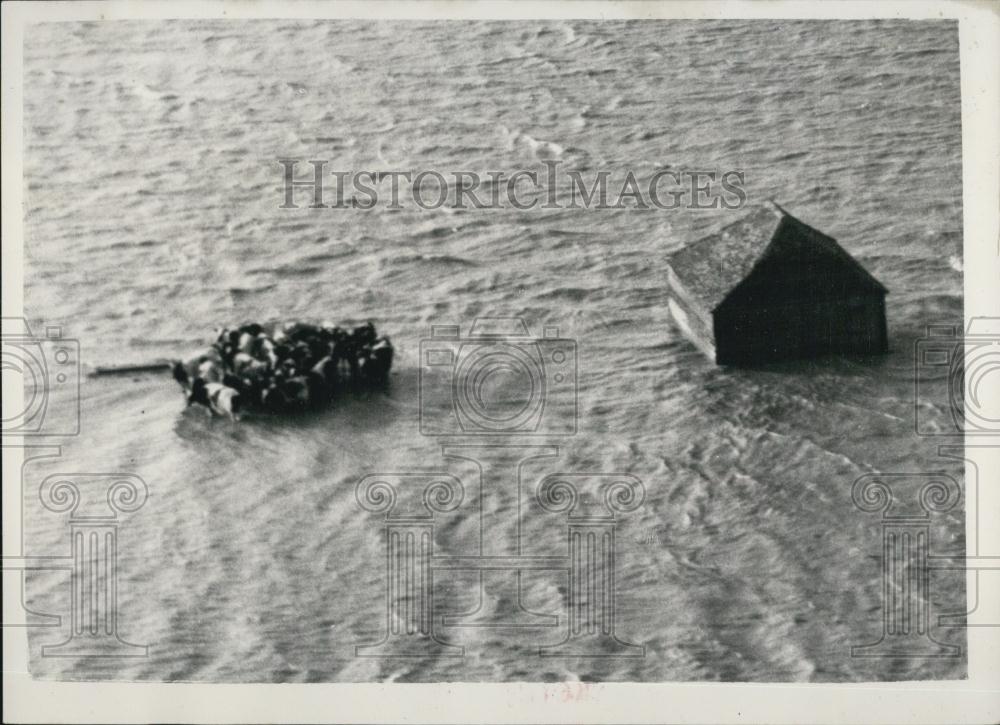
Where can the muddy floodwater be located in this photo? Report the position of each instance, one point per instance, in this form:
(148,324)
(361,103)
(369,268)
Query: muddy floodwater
(252,560)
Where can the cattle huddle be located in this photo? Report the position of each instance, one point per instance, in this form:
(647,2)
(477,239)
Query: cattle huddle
(287,369)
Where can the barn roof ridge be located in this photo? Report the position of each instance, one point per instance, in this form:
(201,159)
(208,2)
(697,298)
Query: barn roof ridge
(711,267)
(833,246)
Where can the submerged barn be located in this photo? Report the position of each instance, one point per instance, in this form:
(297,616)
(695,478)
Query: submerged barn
(769,287)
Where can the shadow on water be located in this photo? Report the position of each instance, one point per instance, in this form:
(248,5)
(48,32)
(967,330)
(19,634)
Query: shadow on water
(790,393)
(195,424)
(847,366)
(364,409)
(903,345)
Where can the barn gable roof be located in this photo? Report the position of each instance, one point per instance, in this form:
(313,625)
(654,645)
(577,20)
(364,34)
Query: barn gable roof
(713,266)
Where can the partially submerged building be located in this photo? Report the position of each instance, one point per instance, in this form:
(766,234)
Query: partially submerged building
(769,287)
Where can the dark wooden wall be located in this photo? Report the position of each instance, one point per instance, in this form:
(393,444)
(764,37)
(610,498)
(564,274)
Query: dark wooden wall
(854,324)
(797,305)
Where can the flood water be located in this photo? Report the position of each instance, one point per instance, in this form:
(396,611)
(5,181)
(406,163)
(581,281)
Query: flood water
(152,218)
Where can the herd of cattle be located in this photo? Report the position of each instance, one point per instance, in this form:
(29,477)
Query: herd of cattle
(289,368)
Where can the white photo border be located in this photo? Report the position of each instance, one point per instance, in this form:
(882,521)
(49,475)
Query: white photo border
(976,699)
